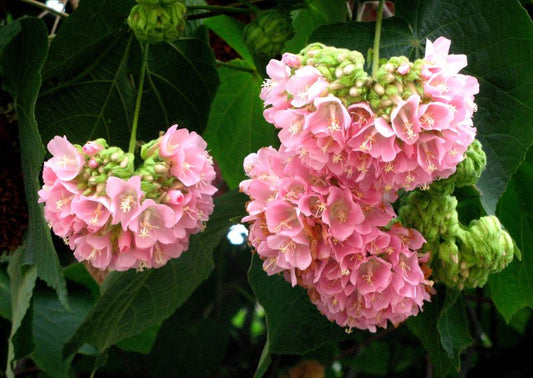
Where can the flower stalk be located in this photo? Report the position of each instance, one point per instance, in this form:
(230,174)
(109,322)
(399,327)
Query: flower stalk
(377,38)
(133,136)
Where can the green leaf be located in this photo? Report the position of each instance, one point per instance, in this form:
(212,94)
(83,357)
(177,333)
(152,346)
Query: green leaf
(453,326)
(82,35)
(5,296)
(143,342)
(53,327)
(512,288)
(96,97)
(294,325)
(264,361)
(424,326)
(373,359)
(307,20)
(180,83)
(230,30)
(497,46)
(133,301)
(22,280)
(20,65)
(77,272)
(189,347)
(236,125)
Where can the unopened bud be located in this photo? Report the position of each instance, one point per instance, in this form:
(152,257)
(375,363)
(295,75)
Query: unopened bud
(378,88)
(267,34)
(161,21)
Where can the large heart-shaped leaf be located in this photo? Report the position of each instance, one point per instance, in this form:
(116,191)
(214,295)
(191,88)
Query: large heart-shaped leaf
(22,56)
(512,288)
(496,36)
(96,97)
(53,327)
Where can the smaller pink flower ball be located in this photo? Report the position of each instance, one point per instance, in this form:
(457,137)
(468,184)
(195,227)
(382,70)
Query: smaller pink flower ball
(118,218)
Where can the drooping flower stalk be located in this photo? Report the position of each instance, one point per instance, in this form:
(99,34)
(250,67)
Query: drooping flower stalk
(377,39)
(133,136)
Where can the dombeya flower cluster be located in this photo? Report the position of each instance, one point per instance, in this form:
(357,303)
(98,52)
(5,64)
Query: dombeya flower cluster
(320,208)
(115,217)
(333,240)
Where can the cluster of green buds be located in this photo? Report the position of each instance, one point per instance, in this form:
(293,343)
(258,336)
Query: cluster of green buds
(467,172)
(396,79)
(434,216)
(155,174)
(343,68)
(106,162)
(267,34)
(467,259)
(155,21)
(461,257)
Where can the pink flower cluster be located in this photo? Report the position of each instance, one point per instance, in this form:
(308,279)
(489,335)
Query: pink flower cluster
(320,208)
(330,238)
(119,225)
(423,139)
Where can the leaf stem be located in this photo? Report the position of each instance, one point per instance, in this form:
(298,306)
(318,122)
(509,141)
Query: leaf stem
(235,67)
(46,8)
(133,136)
(219,8)
(249,4)
(377,38)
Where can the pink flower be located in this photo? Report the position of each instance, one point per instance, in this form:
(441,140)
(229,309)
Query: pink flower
(97,250)
(94,211)
(125,197)
(435,116)
(329,121)
(341,214)
(152,222)
(173,140)
(305,85)
(437,55)
(291,60)
(67,161)
(273,89)
(92,147)
(404,119)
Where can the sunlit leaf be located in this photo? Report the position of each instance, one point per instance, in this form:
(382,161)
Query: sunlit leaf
(236,125)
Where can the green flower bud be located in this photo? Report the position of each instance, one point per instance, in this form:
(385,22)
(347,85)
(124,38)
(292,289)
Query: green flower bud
(267,34)
(435,217)
(483,248)
(158,21)
(469,170)
(445,264)
(396,79)
(344,69)
(150,149)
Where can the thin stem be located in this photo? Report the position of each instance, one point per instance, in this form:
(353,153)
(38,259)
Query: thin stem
(133,137)
(252,7)
(219,8)
(377,38)
(46,8)
(235,67)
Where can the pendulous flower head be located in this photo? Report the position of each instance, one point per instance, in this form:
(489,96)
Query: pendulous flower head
(117,217)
